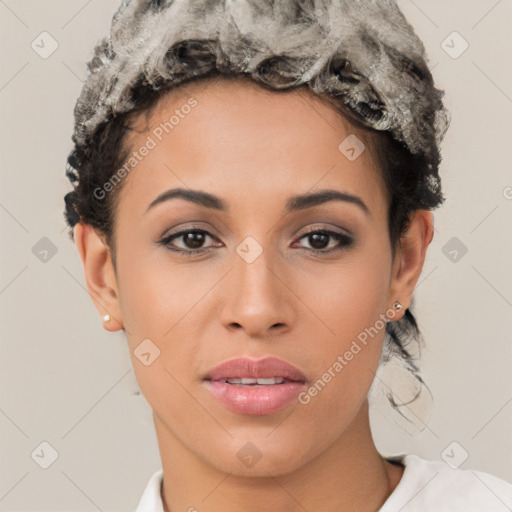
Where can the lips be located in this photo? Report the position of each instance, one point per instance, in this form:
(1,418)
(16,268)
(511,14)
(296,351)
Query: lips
(255,387)
(248,381)
(242,367)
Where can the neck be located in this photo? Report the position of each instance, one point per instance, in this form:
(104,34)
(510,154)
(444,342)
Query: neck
(348,475)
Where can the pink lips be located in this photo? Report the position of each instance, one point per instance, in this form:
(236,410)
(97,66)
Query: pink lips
(255,398)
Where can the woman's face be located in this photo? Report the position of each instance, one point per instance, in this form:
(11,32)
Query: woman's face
(251,284)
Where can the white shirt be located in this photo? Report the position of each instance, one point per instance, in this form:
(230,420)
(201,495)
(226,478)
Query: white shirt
(425,486)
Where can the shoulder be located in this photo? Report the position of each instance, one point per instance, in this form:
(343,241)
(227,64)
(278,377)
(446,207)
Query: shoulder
(428,485)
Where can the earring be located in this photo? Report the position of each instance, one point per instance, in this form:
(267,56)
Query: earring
(106,318)
(398,306)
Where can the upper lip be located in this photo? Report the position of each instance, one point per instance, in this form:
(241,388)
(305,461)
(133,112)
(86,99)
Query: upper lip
(265,368)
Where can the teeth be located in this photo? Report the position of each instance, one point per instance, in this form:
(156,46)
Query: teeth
(272,380)
(246,381)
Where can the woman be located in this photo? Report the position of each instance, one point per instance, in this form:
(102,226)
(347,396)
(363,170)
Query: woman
(253,193)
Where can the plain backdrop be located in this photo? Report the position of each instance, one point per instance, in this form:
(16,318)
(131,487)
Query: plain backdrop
(67,382)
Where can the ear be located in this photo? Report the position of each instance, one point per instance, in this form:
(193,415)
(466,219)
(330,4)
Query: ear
(99,274)
(409,258)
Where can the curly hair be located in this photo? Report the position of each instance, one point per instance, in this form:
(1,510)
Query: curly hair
(363,57)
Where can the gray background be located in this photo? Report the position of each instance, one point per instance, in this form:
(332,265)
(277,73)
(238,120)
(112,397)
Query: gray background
(66,381)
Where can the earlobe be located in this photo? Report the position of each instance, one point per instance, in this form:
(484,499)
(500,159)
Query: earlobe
(99,274)
(411,256)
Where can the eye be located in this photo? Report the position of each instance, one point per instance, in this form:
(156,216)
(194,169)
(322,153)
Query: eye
(320,238)
(193,239)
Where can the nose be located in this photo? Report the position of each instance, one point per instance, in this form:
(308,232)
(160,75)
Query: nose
(257,299)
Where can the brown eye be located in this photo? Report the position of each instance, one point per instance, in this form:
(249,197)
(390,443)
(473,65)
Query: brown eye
(192,241)
(320,239)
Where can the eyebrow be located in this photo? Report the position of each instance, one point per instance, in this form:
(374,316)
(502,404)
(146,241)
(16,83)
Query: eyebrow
(293,204)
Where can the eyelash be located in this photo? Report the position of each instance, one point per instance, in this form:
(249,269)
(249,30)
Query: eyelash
(346,242)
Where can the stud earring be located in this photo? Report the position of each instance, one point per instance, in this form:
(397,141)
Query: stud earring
(398,306)
(106,318)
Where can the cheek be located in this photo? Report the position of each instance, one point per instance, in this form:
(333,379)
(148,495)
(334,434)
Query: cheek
(154,293)
(350,296)
(159,302)
(350,303)
(156,310)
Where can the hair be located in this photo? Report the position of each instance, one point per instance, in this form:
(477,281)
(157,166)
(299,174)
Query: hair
(363,57)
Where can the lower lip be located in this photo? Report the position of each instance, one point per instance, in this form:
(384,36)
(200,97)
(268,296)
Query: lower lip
(255,400)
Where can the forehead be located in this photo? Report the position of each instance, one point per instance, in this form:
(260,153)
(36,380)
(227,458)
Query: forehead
(234,134)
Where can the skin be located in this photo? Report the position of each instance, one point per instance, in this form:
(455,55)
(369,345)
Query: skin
(254,148)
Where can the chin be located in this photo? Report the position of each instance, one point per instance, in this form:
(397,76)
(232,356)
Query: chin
(257,456)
